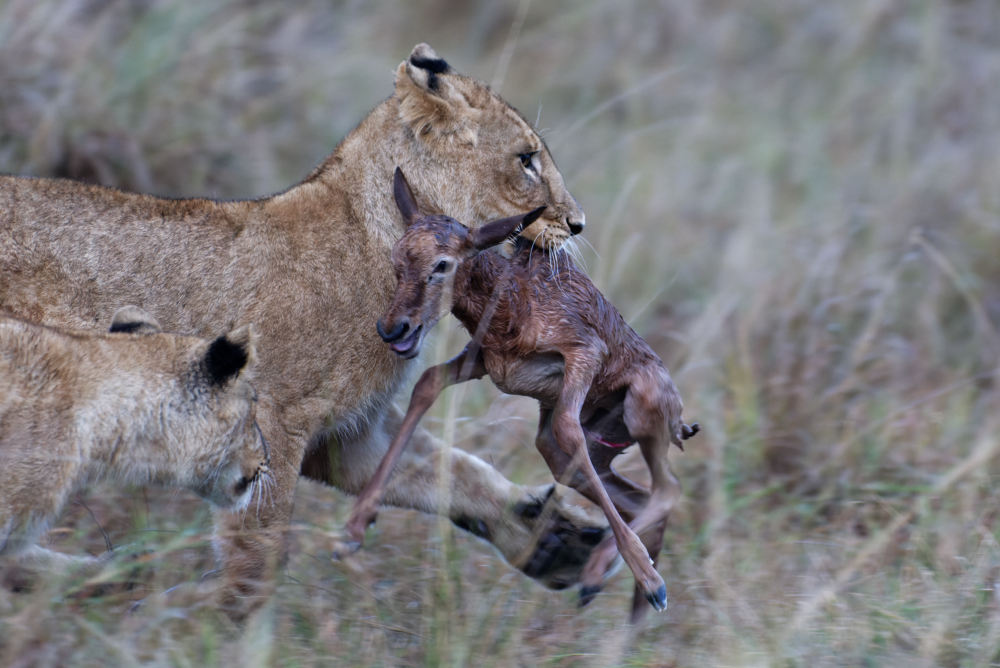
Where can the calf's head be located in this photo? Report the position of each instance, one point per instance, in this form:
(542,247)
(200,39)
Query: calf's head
(425,260)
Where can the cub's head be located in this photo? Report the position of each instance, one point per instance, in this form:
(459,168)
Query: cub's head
(202,431)
(425,259)
(471,154)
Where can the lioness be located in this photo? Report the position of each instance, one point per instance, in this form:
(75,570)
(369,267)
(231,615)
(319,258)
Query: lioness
(311,268)
(139,408)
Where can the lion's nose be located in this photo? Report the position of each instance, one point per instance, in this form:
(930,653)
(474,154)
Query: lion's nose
(575,226)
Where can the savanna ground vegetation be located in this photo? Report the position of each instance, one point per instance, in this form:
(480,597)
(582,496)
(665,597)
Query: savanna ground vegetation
(795,202)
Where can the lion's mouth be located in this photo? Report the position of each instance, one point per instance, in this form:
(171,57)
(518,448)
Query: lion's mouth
(408,347)
(547,238)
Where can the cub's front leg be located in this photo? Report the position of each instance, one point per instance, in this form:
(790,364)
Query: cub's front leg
(252,544)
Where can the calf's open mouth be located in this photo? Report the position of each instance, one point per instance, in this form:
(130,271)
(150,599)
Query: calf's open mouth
(408,347)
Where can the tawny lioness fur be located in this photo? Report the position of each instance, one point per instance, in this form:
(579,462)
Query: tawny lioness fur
(310,267)
(600,386)
(138,408)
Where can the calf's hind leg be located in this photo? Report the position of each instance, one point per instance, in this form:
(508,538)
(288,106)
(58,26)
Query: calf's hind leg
(627,496)
(651,406)
(569,434)
(649,523)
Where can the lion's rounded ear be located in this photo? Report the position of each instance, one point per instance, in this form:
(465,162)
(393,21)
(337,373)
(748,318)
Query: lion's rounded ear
(423,68)
(429,101)
(133,320)
(229,355)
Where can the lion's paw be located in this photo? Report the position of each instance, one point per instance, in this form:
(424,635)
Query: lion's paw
(548,538)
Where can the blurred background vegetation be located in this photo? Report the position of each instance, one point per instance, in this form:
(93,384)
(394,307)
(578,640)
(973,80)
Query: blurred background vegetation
(795,201)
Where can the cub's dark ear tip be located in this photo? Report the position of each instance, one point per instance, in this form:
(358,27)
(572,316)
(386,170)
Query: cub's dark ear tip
(224,360)
(133,320)
(125,327)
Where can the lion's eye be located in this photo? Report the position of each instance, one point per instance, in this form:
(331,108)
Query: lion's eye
(528,160)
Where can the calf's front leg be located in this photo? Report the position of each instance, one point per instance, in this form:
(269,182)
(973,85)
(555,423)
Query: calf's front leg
(464,366)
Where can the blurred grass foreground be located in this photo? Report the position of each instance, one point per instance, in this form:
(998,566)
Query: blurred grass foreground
(796,202)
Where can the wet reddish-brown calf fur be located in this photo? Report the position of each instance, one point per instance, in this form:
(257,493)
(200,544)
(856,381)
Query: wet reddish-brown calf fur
(540,328)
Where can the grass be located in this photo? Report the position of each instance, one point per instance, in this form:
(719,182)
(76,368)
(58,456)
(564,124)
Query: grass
(795,203)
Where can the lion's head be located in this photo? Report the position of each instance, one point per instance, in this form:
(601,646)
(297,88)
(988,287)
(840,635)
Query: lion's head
(200,429)
(463,138)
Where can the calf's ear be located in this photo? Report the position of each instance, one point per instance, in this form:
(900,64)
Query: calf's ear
(493,232)
(405,201)
(229,355)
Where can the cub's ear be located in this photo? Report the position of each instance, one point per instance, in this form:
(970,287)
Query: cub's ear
(404,197)
(133,320)
(228,355)
(493,232)
(429,101)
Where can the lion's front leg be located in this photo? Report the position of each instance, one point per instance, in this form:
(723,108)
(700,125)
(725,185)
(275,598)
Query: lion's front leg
(537,532)
(253,543)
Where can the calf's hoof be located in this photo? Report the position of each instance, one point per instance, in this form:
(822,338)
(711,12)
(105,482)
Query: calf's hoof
(344,549)
(658,598)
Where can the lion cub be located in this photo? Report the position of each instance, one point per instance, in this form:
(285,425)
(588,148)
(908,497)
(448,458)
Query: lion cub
(134,405)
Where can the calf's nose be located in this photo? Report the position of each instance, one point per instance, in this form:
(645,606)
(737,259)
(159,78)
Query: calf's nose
(396,332)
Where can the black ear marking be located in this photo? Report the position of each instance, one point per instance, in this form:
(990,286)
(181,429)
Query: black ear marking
(434,67)
(224,360)
(133,320)
(126,327)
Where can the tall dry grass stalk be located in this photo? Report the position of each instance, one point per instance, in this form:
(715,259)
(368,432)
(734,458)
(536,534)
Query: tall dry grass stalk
(794,201)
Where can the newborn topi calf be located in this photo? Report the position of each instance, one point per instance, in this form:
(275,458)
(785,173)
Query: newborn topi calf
(540,329)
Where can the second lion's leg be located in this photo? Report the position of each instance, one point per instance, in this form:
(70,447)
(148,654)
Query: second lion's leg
(252,544)
(546,538)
